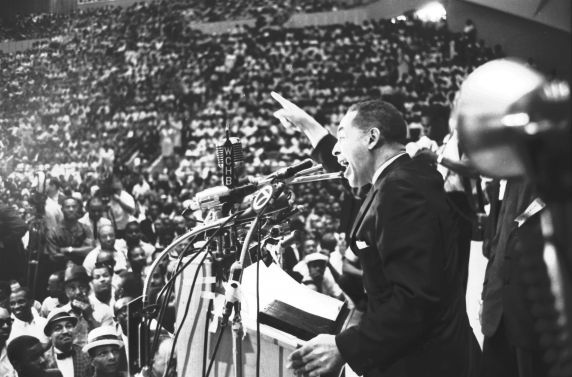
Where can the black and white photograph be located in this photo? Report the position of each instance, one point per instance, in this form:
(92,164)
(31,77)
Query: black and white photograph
(285,188)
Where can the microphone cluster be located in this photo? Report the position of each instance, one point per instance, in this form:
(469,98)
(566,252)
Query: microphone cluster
(215,196)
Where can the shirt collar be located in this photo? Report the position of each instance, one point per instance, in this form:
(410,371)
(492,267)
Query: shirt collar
(384,166)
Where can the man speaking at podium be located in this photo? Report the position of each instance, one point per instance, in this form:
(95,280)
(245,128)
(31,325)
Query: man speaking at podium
(416,322)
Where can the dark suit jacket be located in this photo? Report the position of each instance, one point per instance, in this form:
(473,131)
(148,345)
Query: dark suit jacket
(12,228)
(149,235)
(81,362)
(504,290)
(416,322)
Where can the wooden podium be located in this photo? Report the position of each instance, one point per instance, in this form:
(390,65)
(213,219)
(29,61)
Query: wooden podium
(200,334)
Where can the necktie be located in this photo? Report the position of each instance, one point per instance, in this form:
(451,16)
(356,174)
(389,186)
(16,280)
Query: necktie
(65,355)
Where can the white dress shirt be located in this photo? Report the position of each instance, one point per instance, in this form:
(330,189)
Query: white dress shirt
(6,368)
(384,166)
(34,328)
(65,365)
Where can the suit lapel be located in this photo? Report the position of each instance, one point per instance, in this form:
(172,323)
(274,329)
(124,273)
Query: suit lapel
(372,192)
(362,211)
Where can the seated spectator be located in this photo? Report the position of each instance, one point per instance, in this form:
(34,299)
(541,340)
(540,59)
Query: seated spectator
(120,315)
(53,215)
(26,354)
(64,354)
(107,242)
(6,368)
(70,240)
(105,350)
(316,278)
(90,313)
(102,289)
(165,232)
(131,285)
(148,229)
(56,294)
(121,205)
(137,260)
(94,218)
(27,320)
(133,238)
(107,258)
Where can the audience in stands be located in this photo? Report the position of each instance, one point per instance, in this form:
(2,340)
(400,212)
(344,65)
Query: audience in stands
(122,110)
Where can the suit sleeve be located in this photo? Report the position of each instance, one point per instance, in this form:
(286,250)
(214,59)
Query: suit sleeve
(400,315)
(323,153)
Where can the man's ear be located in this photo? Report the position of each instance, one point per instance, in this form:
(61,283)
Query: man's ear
(374,138)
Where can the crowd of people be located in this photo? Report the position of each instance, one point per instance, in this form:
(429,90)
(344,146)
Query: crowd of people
(108,129)
(48,25)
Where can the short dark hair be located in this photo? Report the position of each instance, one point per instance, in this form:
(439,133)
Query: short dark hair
(19,347)
(383,116)
(55,182)
(92,199)
(328,242)
(133,223)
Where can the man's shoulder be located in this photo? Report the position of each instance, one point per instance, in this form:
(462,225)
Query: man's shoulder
(79,351)
(146,246)
(412,173)
(84,219)
(92,253)
(84,227)
(56,230)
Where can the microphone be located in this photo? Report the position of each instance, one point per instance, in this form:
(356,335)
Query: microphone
(232,291)
(290,171)
(217,195)
(229,158)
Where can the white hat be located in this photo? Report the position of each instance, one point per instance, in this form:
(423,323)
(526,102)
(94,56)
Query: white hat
(102,336)
(316,257)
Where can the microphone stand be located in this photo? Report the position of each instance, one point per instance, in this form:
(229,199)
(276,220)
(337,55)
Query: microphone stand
(237,326)
(260,203)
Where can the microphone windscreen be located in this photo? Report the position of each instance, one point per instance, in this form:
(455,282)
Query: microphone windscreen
(235,151)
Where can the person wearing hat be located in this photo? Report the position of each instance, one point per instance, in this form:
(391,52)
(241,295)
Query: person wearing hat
(105,350)
(316,275)
(68,357)
(90,313)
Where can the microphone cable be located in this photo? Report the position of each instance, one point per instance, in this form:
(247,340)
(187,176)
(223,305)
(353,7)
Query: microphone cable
(178,272)
(258,302)
(169,289)
(186,313)
(256,223)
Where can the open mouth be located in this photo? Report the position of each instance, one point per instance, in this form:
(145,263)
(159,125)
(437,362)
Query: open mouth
(343,162)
